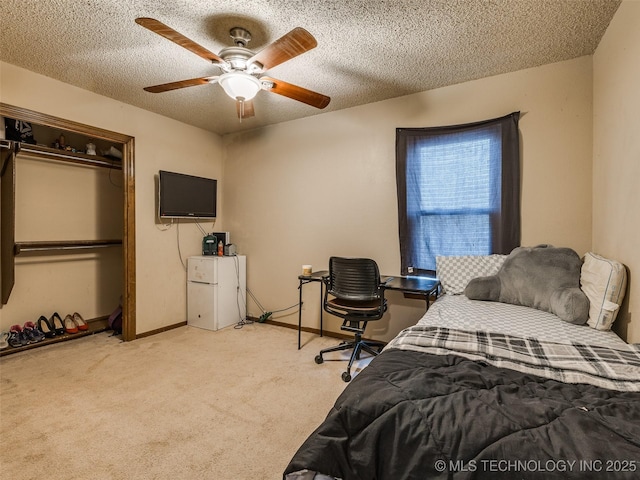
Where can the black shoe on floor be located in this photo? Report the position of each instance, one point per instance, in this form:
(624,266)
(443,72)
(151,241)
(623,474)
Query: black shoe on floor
(57,324)
(45,327)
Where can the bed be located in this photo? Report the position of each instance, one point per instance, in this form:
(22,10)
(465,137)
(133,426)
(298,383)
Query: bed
(480,389)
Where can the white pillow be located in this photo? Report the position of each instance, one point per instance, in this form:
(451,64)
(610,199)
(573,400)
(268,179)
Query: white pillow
(604,282)
(455,273)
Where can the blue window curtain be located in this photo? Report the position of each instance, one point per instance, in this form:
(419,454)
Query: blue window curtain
(458,191)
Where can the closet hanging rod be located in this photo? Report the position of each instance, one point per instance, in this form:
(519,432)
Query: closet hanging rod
(79,158)
(20,247)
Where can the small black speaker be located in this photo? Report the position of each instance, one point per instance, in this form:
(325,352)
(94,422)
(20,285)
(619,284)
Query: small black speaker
(209,245)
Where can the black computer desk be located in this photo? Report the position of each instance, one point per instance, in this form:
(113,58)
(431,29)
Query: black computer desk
(425,287)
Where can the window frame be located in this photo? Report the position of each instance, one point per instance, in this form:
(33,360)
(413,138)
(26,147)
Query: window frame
(504,222)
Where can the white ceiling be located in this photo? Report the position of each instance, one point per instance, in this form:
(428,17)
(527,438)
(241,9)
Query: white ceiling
(367,50)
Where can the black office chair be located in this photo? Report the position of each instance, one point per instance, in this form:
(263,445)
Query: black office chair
(354,292)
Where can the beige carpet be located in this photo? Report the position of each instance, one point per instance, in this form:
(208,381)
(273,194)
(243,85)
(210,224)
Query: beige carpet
(184,404)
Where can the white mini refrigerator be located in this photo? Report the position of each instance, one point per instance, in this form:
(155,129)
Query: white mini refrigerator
(216,291)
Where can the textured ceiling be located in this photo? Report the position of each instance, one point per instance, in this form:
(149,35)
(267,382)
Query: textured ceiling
(367,50)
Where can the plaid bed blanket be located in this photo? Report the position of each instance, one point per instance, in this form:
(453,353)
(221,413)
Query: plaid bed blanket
(616,369)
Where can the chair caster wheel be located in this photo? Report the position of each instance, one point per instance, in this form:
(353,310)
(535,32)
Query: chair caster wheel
(319,359)
(346,377)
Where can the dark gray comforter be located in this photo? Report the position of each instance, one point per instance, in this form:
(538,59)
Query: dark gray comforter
(416,415)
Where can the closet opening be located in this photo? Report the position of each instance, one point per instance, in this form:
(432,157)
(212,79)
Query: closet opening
(95,157)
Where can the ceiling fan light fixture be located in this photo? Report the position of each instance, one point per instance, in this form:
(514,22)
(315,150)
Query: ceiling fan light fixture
(239,85)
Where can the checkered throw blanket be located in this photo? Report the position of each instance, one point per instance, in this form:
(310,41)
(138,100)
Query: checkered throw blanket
(616,369)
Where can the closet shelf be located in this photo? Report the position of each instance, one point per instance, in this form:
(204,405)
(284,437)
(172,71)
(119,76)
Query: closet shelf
(24,247)
(70,157)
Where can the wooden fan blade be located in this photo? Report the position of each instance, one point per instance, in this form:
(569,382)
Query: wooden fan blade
(291,45)
(165,87)
(297,93)
(245,109)
(170,34)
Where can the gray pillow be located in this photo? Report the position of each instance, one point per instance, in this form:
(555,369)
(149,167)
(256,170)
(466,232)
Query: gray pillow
(542,277)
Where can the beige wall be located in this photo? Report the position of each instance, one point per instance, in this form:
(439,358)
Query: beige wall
(298,192)
(301,191)
(616,163)
(160,143)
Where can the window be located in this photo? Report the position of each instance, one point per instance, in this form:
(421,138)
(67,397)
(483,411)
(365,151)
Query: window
(458,191)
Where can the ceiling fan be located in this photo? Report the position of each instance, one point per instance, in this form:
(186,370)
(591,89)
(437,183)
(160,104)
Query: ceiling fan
(243,69)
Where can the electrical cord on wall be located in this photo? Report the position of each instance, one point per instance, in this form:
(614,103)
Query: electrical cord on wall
(295,305)
(265,313)
(167,226)
(184,265)
(201,229)
(240,299)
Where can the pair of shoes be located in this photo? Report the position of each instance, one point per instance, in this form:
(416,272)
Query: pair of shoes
(21,336)
(82,325)
(17,337)
(4,340)
(69,325)
(56,324)
(33,334)
(45,327)
(74,323)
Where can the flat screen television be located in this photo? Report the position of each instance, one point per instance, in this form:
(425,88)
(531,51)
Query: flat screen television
(186,196)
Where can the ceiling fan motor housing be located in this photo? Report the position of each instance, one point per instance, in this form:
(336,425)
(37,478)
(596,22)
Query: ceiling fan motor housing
(236,59)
